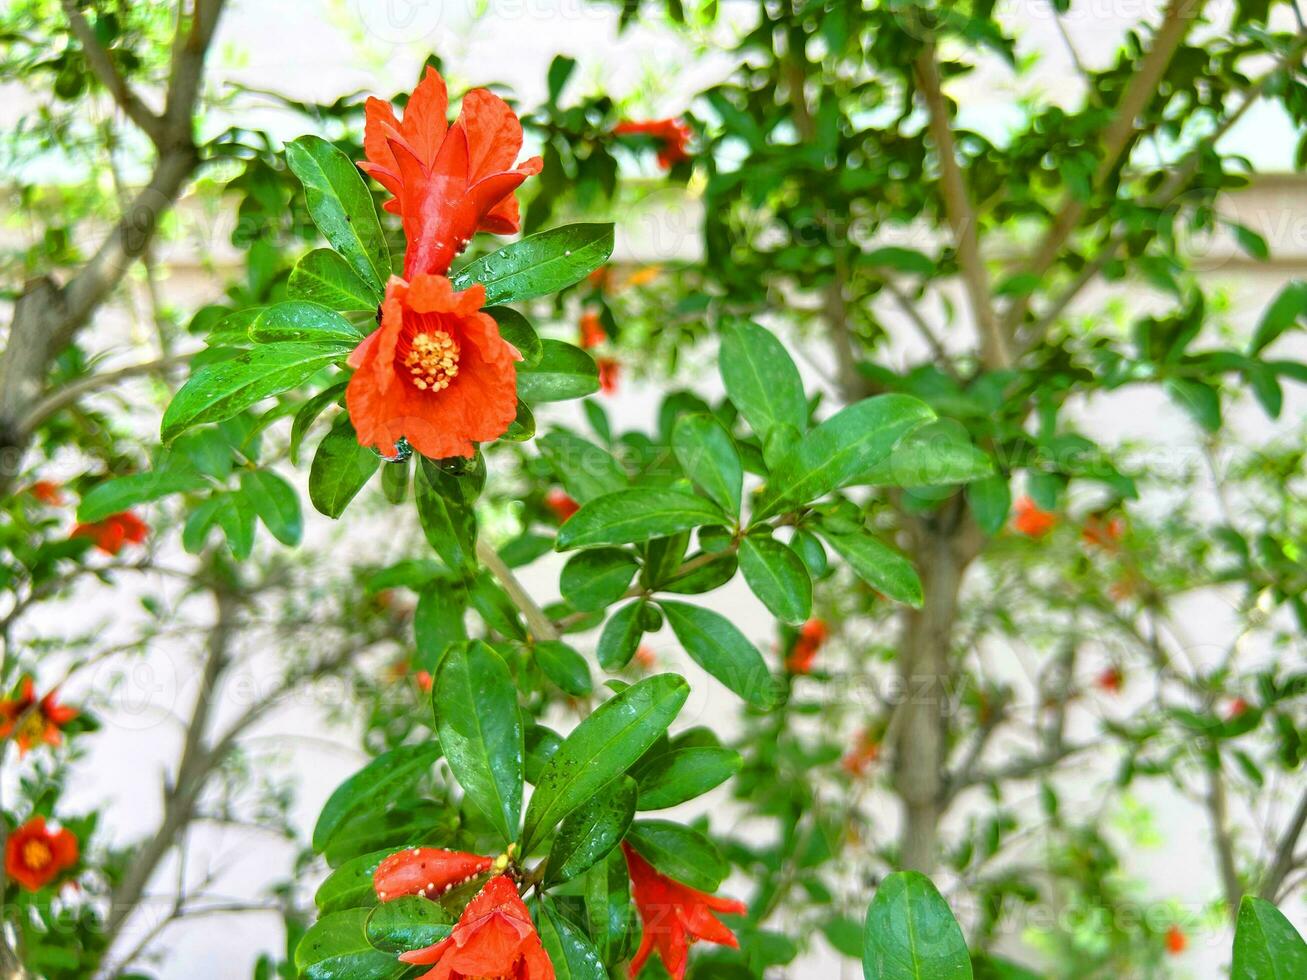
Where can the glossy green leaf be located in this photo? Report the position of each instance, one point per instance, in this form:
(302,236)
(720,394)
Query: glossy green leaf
(411,822)
(341,468)
(761,379)
(517,330)
(1286,310)
(777,577)
(940,453)
(562,372)
(910,933)
(607,892)
(991,500)
(709,458)
(1266,945)
(408,923)
(592,831)
(879,565)
(570,951)
(680,853)
(341,207)
(380,781)
(336,948)
(539,264)
(564,667)
(480,727)
(445,510)
(593,580)
(638,514)
(324,277)
(601,748)
(350,885)
(220,390)
(586,470)
(840,449)
(678,775)
(120,493)
(276,503)
(298,322)
(717,645)
(621,636)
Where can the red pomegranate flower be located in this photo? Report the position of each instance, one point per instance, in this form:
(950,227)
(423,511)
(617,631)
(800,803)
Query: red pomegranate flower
(35,855)
(812,635)
(1111,680)
(591,331)
(114,531)
(609,369)
(671,135)
(645,657)
(1176,941)
(1103,532)
(674,916)
(1030,520)
(436,372)
(30,722)
(494,938)
(561,503)
(426,871)
(866,750)
(449,181)
(1236,709)
(48,492)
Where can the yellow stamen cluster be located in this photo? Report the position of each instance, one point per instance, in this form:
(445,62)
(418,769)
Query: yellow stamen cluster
(37,854)
(432,360)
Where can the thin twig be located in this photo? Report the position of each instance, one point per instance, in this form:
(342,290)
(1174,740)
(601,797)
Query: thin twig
(540,625)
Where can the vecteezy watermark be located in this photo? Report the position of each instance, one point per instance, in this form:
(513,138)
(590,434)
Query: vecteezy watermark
(400,21)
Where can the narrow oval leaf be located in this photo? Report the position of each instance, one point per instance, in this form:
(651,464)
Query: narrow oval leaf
(680,853)
(761,379)
(910,933)
(480,727)
(446,513)
(879,565)
(341,468)
(674,777)
(592,831)
(1266,945)
(324,277)
(586,470)
(621,636)
(778,578)
(564,667)
(218,391)
(380,781)
(341,207)
(517,330)
(300,322)
(570,951)
(708,456)
(607,889)
(336,947)
(562,371)
(593,580)
(601,748)
(350,885)
(276,503)
(717,645)
(939,453)
(120,493)
(990,499)
(638,514)
(408,923)
(836,452)
(539,264)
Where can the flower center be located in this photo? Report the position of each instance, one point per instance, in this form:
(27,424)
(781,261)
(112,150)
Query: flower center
(432,360)
(37,855)
(33,726)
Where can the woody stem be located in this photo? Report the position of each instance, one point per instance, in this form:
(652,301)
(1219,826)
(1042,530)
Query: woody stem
(540,626)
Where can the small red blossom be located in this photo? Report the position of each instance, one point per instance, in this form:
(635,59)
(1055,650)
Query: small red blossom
(675,916)
(645,657)
(48,492)
(1030,520)
(423,677)
(1111,680)
(31,722)
(599,278)
(36,855)
(561,503)
(591,331)
(866,750)
(1237,709)
(494,939)
(1101,531)
(1176,941)
(812,636)
(114,531)
(449,181)
(671,136)
(428,872)
(436,372)
(609,369)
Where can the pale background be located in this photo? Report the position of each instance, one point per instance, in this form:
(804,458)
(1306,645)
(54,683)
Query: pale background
(319,50)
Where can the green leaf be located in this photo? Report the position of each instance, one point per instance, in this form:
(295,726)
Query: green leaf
(1286,310)
(341,468)
(910,933)
(220,390)
(570,951)
(350,885)
(517,330)
(708,456)
(394,481)
(480,727)
(276,503)
(592,831)
(539,264)
(407,824)
(235,516)
(1266,945)
(778,578)
(991,499)
(120,493)
(939,453)
(1198,398)
(607,889)
(324,277)
(761,379)
(379,781)
(341,207)
(879,565)
(593,580)
(445,510)
(562,372)
(836,452)
(336,947)
(308,413)
(638,514)
(717,645)
(679,775)
(900,259)
(299,322)
(408,923)
(680,853)
(601,748)
(621,636)
(585,470)
(565,667)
